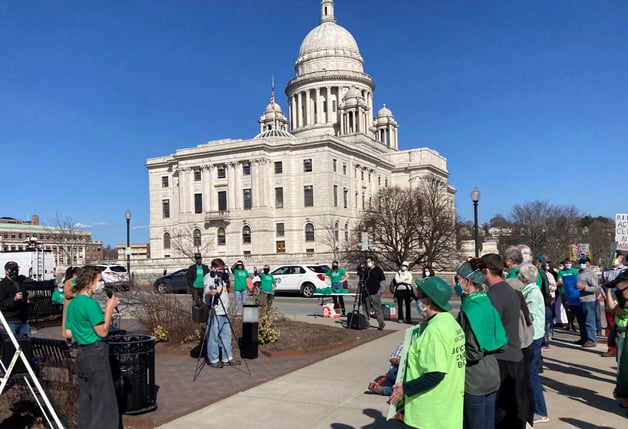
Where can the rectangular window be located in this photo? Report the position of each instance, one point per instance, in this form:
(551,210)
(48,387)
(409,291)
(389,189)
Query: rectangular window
(308,195)
(279,198)
(164,181)
(281,246)
(335,165)
(198,203)
(307,165)
(278,167)
(333,106)
(246,169)
(345,197)
(222,201)
(324,106)
(248,198)
(165,208)
(335,195)
(222,171)
(197,174)
(279,227)
(379,180)
(362,174)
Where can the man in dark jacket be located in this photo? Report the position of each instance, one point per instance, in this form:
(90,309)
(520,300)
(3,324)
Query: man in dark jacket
(375,285)
(511,410)
(194,277)
(14,300)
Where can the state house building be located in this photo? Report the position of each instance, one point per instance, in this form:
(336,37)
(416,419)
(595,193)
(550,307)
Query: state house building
(272,197)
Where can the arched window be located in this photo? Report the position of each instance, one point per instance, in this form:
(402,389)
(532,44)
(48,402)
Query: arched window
(197,237)
(336,232)
(309,232)
(166,240)
(246,234)
(222,240)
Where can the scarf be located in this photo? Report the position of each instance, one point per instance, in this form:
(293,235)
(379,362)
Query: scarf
(485,321)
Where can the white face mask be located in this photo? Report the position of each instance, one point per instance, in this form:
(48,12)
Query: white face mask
(100,286)
(567,266)
(369,264)
(583,266)
(427,273)
(404,268)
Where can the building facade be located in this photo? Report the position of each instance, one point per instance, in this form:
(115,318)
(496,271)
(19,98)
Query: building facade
(70,246)
(275,197)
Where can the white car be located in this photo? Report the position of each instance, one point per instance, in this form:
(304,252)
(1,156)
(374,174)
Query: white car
(302,278)
(114,274)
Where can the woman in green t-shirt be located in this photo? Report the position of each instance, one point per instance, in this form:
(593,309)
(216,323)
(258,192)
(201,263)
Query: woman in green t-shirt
(97,404)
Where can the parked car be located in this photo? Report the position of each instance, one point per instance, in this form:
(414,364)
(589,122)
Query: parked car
(115,276)
(302,278)
(172,283)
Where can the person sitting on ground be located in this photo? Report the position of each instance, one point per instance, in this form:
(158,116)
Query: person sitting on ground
(383,385)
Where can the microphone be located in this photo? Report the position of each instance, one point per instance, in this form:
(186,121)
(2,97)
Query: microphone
(109,293)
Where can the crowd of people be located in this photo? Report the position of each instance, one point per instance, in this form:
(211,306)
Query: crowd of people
(510,305)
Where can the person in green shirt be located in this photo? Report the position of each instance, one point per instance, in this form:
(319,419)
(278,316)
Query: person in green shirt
(97,404)
(434,378)
(240,275)
(337,276)
(194,278)
(268,284)
(569,295)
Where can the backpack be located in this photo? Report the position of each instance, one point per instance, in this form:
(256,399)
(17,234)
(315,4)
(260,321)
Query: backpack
(526,332)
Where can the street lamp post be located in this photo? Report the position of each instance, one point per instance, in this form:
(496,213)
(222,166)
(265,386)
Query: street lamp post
(475,197)
(127,216)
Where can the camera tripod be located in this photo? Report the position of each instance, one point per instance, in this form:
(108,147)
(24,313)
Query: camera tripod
(360,300)
(214,302)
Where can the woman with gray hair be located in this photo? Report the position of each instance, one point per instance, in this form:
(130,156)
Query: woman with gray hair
(536,305)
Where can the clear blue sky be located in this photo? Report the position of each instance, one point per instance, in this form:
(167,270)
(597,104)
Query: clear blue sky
(528,100)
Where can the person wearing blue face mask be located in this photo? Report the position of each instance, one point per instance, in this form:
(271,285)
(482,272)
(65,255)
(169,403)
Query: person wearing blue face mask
(485,336)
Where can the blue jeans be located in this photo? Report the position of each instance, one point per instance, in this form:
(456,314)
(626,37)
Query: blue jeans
(549,324)
(20,329)
(239,296)
(598,317)
(391,377)
(479,411)
(586,320)
(219,339)
(535,381)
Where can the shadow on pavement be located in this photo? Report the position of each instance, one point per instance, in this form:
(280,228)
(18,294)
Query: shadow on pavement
(579,370)
(582,425)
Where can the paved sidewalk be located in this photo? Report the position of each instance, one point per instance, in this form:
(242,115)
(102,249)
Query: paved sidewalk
(331,393)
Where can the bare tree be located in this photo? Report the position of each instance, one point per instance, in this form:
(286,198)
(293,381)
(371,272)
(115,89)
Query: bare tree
(189,239)
(414,224)
(438,223)
(599,232)
(69,236)
(329,229)
(546,228)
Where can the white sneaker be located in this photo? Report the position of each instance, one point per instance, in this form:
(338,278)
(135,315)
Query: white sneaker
(540,419)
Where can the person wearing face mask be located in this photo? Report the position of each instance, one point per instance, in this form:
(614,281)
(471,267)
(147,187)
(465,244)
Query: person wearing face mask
(485,336)
(618,304)
(587,285)
(433,388)
(569,295)
(14,300)
(403,292)
(268,284)
(240,291)
(607,278)
(194,278)
(97,404)
(337,277)
(375,285)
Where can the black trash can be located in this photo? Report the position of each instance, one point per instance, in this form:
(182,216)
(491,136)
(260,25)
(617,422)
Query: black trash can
(249,340)
(132,359)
